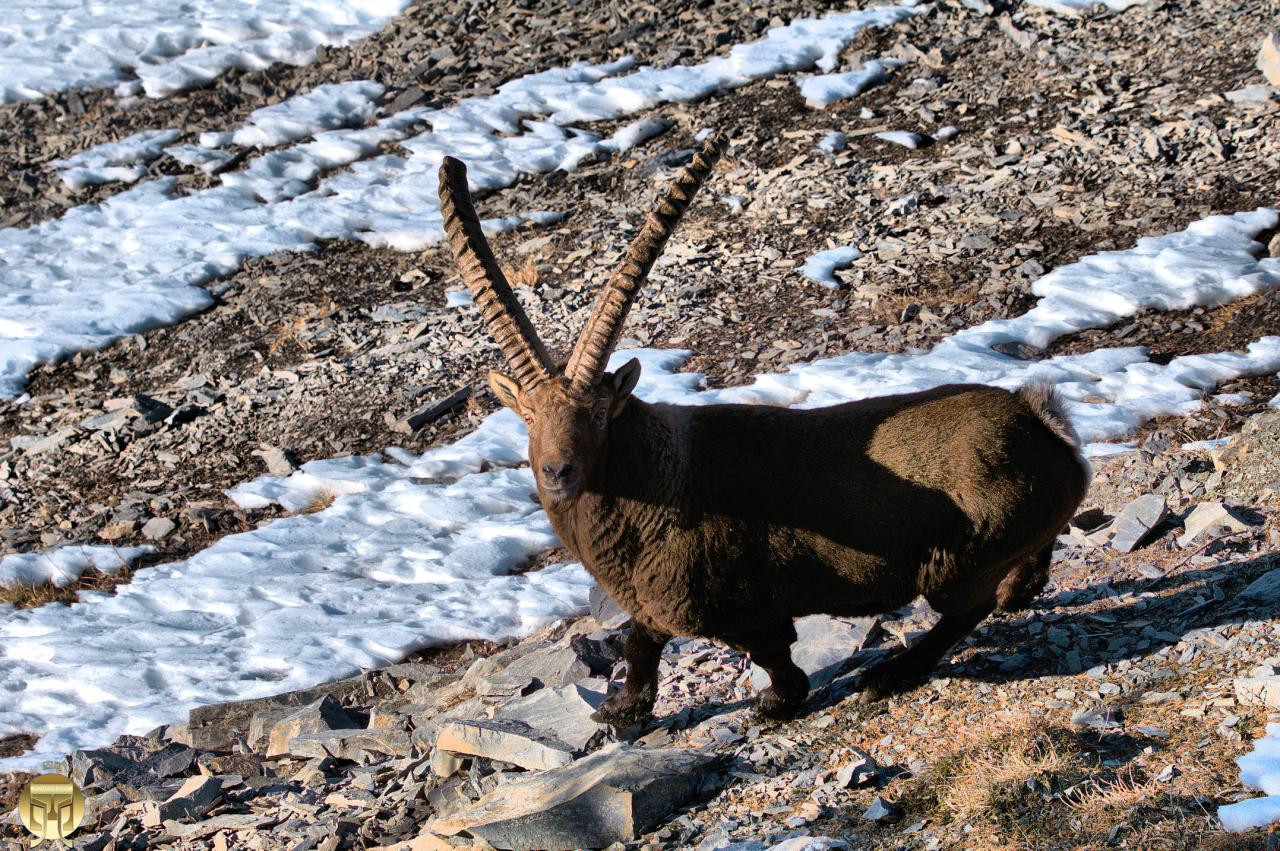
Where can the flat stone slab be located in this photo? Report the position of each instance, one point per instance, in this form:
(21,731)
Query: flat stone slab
(823,644)
(1135,523)
(1210,515)
(506,741)
(324,714)
(361,746)
(563,712)
(614,795)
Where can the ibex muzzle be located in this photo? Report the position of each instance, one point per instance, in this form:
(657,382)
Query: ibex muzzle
(729,521)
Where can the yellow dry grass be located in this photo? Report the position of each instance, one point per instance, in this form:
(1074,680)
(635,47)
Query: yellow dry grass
(322,500)
(29,595)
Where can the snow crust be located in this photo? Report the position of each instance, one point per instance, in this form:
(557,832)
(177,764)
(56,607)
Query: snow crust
(821,267)
(65,565)
(52,45)
(1259,769)
(825,89)
(1075,7)
(122,160)
(326,107)
(141,258)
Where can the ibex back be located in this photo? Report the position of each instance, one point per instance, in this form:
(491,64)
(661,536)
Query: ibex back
(729,521)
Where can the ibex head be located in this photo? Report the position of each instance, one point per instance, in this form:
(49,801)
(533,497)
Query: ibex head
(567,411)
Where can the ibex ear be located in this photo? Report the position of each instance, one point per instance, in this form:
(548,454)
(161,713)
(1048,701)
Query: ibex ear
(624,381)
(507,391)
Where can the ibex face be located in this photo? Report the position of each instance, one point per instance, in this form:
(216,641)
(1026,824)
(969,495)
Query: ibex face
(567,426)
(567,411)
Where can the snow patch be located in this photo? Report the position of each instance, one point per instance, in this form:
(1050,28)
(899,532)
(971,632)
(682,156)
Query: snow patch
(1259,769)
(902,137)
(1073,8)
(327,107)
(112,161)
(825,89)
(65,565)
(821,267)
(53,46)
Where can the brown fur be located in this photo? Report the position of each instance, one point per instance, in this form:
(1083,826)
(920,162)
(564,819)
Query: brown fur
(729,521)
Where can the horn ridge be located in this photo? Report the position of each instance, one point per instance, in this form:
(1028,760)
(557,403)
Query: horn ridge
(604,326)
(499,309)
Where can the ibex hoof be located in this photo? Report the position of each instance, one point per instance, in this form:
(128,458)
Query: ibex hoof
(621,712)
(877,684)
(772,705)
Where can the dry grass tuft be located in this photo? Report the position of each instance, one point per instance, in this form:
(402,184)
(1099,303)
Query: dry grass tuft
(28,596)
(319,502)
(288,331)
(525,276)
(991,760)
(1098,797)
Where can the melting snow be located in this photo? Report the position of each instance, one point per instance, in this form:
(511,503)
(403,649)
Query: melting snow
(821,267)
(52,45)
(825,89)
(327,107)
(1076,7)
(110,161)
(65,564)
(1259,769)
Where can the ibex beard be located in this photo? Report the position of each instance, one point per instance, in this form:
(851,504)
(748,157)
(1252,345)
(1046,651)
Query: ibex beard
(730,521)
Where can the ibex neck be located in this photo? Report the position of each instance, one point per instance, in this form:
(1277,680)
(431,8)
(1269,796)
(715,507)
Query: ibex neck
(635,494)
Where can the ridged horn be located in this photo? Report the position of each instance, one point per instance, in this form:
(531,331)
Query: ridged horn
(601,332)
(502,313)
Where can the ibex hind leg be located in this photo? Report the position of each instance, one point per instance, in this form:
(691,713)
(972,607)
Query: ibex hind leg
(1019,589)
(634,701)
(907,668)
(788,685)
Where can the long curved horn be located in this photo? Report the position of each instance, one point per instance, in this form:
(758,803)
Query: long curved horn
(502,313)
(601,332)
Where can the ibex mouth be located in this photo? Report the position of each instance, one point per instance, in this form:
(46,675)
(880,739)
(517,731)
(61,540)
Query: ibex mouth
(557,494)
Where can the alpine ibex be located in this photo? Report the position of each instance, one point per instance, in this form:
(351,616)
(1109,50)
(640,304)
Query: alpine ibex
(729,521)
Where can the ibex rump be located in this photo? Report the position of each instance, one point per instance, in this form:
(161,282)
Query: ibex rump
(729,521)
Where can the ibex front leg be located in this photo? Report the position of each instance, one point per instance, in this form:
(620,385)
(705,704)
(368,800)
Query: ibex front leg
(634,701)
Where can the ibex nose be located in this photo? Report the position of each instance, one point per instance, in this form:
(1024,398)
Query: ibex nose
(557,471)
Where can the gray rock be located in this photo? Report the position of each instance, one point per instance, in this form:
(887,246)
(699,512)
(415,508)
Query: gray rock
(1264,589)
(823,644)
(280,462)
(157,528)
(880,811)
(606,612)
(324,714)
(614,795)
(860,770)
(445,764)
(362,746)
(1269,58)
(1258,691)
(1210,515)
(220,726)
(564,712)
(548,665)
(1134,524)
(506,741)
(191,801)
(1256,93)
(433,411)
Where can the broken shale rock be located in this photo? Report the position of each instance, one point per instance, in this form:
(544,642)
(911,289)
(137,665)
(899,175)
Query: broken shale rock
(505,740)
(1135,523)
(613,795)
(320,716)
